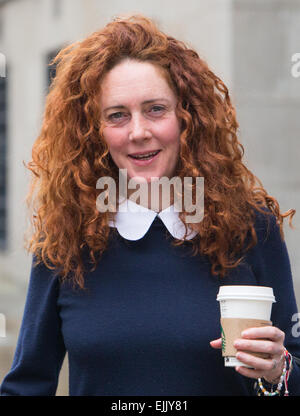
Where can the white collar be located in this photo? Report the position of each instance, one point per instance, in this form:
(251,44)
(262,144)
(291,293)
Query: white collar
(133,221)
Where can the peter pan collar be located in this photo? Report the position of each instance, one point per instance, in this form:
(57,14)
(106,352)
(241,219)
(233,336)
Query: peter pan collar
(133,221)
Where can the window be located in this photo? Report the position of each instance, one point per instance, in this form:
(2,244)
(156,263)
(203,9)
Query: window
(51,69)
(3,167)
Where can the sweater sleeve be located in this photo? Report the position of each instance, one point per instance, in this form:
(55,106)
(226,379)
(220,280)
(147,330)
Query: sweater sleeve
(272,268)
(40,348)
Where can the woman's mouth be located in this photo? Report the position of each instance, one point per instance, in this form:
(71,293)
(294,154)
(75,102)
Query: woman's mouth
(145,158)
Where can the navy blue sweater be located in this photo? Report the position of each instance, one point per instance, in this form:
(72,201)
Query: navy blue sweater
(144,324)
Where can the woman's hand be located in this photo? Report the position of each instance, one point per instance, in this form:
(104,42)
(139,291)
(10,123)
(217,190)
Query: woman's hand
(267,339)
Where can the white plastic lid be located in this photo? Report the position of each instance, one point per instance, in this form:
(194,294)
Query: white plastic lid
(246,292)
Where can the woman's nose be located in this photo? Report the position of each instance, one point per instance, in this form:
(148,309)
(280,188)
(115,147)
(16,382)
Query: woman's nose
(139,128)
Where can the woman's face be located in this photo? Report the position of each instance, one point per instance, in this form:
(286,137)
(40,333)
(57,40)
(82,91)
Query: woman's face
(138,111)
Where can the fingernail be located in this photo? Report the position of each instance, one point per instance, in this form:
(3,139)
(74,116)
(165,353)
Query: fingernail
(245,333)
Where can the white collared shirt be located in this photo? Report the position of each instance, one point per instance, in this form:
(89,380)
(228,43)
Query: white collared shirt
(133,221)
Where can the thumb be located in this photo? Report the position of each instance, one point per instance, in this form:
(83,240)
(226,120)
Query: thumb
(216,343)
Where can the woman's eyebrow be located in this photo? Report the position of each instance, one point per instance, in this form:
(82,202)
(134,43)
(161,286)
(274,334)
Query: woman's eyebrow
(113,107)
(144,102)
(155,99)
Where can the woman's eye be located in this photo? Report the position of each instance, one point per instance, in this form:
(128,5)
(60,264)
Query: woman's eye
(116,116)
(157,109)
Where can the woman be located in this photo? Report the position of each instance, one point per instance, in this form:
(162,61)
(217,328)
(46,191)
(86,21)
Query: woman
(144,319)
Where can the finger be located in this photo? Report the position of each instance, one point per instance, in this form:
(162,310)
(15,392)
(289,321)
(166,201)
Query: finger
(261,365)
(268,347)
(249,372)
(269,332)
(216,343)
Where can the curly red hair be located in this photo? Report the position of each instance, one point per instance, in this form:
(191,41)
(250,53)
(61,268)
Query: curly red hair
(70,154)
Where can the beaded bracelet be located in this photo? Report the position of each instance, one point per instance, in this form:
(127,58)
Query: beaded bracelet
(283,378)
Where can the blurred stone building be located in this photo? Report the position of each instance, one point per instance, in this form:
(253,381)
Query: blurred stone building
(249,44)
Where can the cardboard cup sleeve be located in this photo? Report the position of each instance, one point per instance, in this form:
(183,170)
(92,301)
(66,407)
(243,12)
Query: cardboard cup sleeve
(231,329)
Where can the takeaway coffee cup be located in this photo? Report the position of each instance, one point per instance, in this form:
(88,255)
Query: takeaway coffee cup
(242,307)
